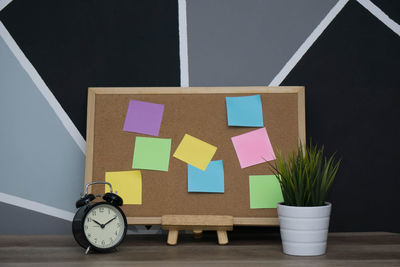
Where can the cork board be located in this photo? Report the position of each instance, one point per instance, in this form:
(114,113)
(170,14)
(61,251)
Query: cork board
(200,112)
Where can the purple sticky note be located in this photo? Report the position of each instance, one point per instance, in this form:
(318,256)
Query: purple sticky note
(143,117)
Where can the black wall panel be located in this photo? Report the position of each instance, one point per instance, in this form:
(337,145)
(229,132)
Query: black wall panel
(390,8)
(352,80)
(74,44)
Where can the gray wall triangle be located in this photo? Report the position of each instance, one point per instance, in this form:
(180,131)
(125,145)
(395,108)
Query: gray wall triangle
(19,221)
(39,160)
(241,42)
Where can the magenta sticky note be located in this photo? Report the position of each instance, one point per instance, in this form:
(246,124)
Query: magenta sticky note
(143,117)
(253,148)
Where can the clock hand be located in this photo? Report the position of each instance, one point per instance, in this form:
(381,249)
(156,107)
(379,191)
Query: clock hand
(110,220)
(98,223)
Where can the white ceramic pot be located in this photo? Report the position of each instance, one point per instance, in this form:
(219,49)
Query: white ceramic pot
(304,230)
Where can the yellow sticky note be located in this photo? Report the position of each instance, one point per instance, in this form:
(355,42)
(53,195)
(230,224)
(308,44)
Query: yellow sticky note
(195,152)
(128,184)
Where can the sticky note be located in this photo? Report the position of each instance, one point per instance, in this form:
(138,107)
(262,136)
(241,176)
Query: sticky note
(143,117)
(253,147)
(210,180)
(265,192)
(128,184)
(151,153)
(244,111)
(195,152)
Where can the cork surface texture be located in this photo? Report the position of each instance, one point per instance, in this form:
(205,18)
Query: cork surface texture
(203,116)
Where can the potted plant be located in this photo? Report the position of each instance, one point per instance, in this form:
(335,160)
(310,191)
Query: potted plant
(305,178)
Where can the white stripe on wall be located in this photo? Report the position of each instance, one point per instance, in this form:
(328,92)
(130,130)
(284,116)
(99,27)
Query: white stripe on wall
(308,43)
(4,3)
(377,12)
(183,47)
(40,84)
(36,206)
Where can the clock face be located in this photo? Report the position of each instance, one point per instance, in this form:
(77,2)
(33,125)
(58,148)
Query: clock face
(104,226)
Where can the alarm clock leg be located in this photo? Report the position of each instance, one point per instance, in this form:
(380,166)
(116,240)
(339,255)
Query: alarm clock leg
(87,250)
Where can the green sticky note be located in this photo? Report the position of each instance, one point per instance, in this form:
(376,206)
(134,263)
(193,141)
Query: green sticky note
(265,192)
(151,153)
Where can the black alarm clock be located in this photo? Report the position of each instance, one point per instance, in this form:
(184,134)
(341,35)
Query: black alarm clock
(100,226)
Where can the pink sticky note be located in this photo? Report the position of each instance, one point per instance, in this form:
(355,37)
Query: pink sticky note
(253,148)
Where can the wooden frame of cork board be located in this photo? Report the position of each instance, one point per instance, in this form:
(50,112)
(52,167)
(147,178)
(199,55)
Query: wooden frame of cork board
(200,112)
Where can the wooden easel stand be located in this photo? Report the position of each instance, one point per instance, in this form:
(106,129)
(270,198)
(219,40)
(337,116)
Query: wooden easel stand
(197,223)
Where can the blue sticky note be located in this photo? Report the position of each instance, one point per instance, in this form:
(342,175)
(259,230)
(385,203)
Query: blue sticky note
(210,181)
(245,111)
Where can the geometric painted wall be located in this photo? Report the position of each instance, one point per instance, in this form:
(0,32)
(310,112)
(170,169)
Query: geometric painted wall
(353,93)
(345,53)
(242,43)
(76,44)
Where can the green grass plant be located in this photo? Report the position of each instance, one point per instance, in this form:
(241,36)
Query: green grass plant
(305,176)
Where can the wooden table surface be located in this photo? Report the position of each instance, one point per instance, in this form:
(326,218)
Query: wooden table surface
(344,249)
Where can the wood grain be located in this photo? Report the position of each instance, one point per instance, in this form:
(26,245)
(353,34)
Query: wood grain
(244,249)
(196,220)
(198,90)
(91,105)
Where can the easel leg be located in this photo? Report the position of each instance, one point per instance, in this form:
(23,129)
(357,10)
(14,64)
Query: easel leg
(222,237)
(172,237)
(197,234)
